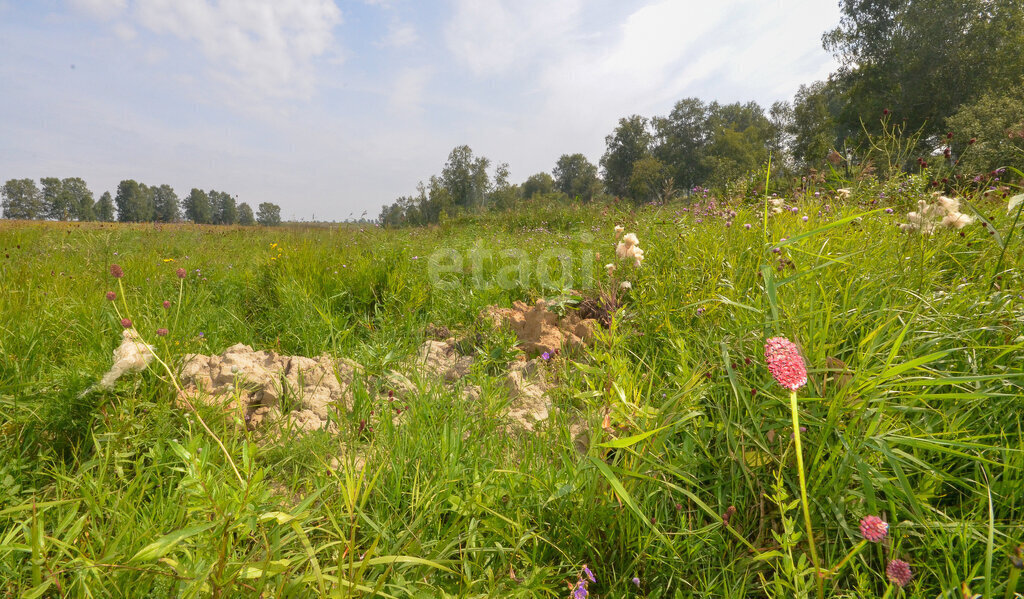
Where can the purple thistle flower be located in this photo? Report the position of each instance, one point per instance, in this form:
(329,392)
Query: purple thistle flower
(126,323)
(182,273)
(899,573)
(111,296)
(874,528)
(580,592)
(116,271)
(785,363)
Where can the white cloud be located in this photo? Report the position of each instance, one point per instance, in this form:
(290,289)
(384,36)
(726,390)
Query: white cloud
(264,47)
(400,35)
(406,94)
(490,36)
(100,9)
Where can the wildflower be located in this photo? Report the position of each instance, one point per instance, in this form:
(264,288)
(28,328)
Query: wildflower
(899,573)
(888,210)
(746,226)
(785,363)
(619,230)
(167,304)
(804,219)
(126,323)
(115,271)
(580,592)
(636,581)
(843,193)
(874,528)
(111,296)
(545,356)
(182,273)
(166,260)
(588,573)
(625,285)
(610,267)
(631,239)
(161,332)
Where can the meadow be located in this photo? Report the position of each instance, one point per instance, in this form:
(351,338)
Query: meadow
(687,485)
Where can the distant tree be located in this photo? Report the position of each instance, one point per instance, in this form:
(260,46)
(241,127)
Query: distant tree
(576,177)
(56,203)
(225,211)
(134,202)
(104,208)
(630,142)
(165,204)
(268,215)
(197,207)
(682,139)
(503,195)
(996,122)
(648,179)
(80,198)
(813,126)
(245,215)
(741,137)
(22,200)
(537,184)
(465,178)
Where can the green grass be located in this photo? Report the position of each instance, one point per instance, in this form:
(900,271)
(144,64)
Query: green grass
(122,494)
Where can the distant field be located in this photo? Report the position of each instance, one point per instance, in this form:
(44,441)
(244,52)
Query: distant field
(667,464)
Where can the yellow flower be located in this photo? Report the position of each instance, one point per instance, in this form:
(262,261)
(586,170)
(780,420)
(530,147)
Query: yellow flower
(168,260)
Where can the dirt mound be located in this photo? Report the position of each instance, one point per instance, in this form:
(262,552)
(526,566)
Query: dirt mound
(308,394)
(265,386)
(540,330)
(441,359)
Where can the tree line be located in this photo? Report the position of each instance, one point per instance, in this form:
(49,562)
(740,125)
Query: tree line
(948,76)
(133,202)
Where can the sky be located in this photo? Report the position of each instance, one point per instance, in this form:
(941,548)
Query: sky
(333,108)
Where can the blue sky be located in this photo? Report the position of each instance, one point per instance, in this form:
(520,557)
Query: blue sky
(332,108)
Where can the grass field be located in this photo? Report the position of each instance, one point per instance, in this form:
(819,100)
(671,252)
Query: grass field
(689,486)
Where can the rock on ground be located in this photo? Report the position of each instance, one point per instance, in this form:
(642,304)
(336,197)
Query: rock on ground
(540,330)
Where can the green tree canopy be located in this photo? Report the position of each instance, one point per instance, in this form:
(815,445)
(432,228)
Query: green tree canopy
(165,204)
(576,177)
(134,202)
(923,59)
(465,178)
(80,198)
(104,208)
(198,208)
(630,142)
(22,199)
(268,214)
(245,215)
(539,183)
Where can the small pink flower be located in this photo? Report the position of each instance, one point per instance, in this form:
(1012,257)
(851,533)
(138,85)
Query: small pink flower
(116,271)
(111,296)
(899,572)
(182,273)
(167,304)
(126,323)
(874,528)
(161,332)
(785,363)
